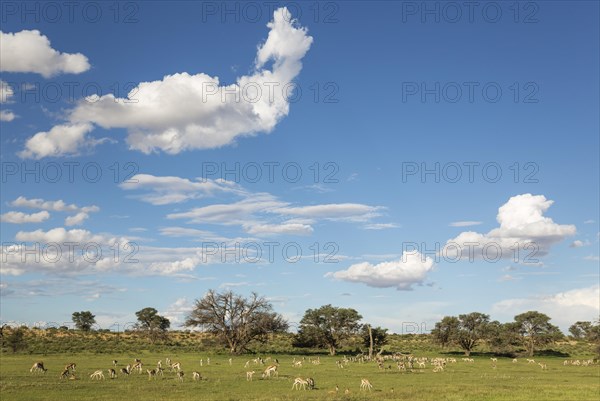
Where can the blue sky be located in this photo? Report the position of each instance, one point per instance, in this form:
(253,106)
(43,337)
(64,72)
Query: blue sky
(381,136)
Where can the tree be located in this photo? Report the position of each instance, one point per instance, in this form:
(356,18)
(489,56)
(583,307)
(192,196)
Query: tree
(465,330)
(472,328)
(377,335)
(580,330)
(151,324)
(83,320)
(236,320)
(502,337)
(535,329)
(445,331)
(16,340)
(328,326)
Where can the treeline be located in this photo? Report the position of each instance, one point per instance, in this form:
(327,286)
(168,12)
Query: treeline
(530,330)
(238,324)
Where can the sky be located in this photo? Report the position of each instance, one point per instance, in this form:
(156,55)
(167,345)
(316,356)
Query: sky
(410,160)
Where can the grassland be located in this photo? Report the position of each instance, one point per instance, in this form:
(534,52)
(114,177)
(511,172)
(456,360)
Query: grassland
(222,381)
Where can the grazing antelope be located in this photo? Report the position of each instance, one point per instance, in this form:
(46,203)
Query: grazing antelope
(249,375)
(124,371)
(70,366)
(97,375)
(365,385)
(515,360)
(337,389)
(298,383)
(180,376)
(112,373)
(128,367)
(543,366)
(270,370)
(297,364)
(138,367)
(494,359)
(347,391)
(160,371)
(151,373)
(38,366)
(311,383)
(65,374)
(530,361)
(196,375)
(176,365)
(115,362)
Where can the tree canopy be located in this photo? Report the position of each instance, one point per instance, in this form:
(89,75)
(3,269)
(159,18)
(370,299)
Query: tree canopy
(83,320)
(236,320)
(328,326)
(151,324)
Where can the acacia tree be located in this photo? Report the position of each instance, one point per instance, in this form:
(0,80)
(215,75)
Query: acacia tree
(328,326)
(445,331)
(472,329)
(83,320)
(236,320)
(374,338)
(465,330)
(535,329)
(151,324)
(580,330)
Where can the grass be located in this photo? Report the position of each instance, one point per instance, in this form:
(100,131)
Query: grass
(460,381)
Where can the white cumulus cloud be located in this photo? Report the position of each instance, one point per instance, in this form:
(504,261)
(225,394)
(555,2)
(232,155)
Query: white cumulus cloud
(21,218)
(30,51)
(184,111)
(61,140)
(522,222)
(410,269)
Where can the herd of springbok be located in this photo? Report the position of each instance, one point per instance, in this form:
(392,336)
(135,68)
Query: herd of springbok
(270,368)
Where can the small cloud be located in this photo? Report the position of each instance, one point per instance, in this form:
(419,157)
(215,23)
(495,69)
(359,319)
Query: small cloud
(352,177)
(465,223)
(507,277)
(579,244)
(593,258)
(589,221)
(380,226)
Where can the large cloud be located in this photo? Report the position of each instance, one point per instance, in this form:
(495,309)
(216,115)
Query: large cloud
(184,111)
(410,269)
(522,224)
(565,308)
(30,51)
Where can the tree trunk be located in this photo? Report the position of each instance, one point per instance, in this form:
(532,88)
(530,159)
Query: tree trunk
(467,352)
(331,350)
(370,343)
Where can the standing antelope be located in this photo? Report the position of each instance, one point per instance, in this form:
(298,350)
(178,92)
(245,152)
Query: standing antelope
(97,375)
(65,374)
(112,373)
(180,376)
(115,362)
(270,370)
(151,373)
(365,385)
(196,375)
(230,361)
(38,366)
(176,365)
(125,371)
(249,375)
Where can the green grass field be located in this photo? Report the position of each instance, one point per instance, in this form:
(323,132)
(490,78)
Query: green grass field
(460,381)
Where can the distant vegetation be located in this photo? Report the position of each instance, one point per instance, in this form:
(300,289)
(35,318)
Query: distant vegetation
(230,323)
